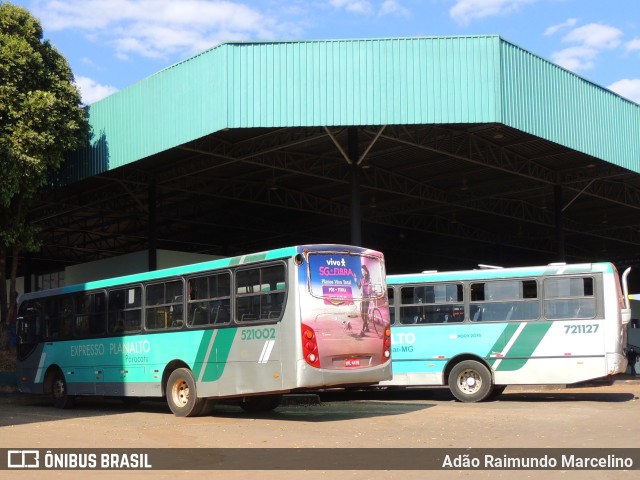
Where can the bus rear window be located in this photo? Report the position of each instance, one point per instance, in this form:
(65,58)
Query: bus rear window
(340,278)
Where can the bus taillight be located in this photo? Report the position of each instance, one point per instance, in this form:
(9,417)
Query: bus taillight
(386,349)
(310,346)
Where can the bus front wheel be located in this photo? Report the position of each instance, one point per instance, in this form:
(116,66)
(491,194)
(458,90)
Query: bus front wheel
(60,393)
(182,396)
(470,381)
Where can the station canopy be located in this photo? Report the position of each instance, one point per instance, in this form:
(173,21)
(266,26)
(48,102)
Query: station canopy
(442,152)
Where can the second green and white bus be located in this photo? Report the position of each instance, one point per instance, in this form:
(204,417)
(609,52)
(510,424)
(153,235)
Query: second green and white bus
(478,331)
(246,329)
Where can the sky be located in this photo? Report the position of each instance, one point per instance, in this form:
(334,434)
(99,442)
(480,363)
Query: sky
(111,44)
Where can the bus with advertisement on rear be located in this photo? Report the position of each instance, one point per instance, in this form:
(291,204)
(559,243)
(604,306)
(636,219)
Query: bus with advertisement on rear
(479,331)
(245,329)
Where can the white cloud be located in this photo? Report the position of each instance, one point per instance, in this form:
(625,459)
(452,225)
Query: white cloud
(575,58)
(465,11)
(561,26)
(157,28)
(595,35)
(91,91)
(628,88)
(393,7)
(590,40)
(354,6)
(366,7)
(632,45)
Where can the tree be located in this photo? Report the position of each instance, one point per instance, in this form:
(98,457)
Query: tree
(41,118)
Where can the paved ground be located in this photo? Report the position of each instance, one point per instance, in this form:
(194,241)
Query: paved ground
(393,421)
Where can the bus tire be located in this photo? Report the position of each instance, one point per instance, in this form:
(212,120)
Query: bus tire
(182,396)
(470,381)
(60,393)
(260,403)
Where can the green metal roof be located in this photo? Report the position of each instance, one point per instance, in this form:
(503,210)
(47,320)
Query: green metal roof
(433,80)
(545,100)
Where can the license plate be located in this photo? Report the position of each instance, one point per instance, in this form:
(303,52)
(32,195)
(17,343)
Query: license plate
(352,362)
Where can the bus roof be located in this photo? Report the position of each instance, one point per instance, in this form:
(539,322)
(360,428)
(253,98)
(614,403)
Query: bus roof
(284,252)
(497,273)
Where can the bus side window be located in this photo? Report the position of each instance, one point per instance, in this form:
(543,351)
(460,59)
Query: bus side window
(408,315)
(97,320)
(29,327)
(569,297)
(164,305)
(260,293)
(89,314)
(132,321)
(125,310)
(66,317)
(221,313)
(444,304)
(475,313)
(504,301)
(409,310)
(209,300)
(58,318)
(117,324)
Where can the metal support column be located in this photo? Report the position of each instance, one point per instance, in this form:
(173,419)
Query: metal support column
(153,239)
(356,211)
(557,203)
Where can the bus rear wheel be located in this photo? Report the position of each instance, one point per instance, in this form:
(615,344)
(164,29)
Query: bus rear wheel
(470,381)
(182,396)
(60,393)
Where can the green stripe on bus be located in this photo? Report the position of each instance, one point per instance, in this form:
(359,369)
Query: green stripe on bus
(235,261)
(219,354)
(255,257)
(501,341)
(202,352)
(520,352)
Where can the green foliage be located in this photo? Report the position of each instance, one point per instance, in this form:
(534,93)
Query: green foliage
(41,118)
(41,115)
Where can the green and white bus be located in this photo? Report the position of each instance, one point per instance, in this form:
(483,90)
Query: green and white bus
(478,331)
(245,329)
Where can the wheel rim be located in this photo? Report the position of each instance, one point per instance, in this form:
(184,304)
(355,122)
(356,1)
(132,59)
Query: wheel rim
(58,389)
(469,381)
(180,393)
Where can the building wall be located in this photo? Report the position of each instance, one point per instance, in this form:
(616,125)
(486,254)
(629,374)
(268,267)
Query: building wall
(127,264)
